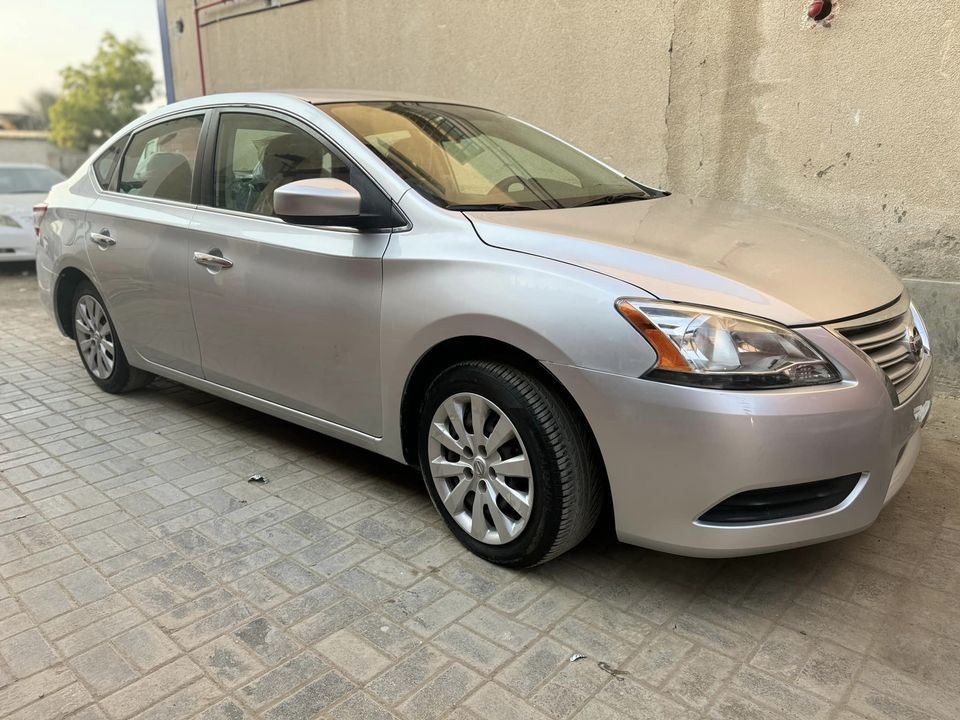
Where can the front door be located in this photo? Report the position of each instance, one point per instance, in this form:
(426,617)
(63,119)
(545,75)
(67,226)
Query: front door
(286,313)
(139,240)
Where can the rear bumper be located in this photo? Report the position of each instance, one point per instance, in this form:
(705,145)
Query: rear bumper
(673,452)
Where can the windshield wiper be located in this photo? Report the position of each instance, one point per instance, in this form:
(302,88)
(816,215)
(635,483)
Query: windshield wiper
(611,199)
(491,206)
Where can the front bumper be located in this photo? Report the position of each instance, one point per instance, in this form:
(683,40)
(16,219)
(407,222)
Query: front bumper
(673,452)
(17,244)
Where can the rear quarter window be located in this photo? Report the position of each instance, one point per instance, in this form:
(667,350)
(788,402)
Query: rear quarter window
(104,165)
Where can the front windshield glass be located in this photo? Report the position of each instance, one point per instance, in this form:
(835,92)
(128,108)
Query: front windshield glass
(467,158)
(27,179)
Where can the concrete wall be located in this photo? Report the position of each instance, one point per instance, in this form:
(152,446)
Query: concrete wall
(855,127)
(24,146)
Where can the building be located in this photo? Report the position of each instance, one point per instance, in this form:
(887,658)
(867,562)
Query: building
(852,122)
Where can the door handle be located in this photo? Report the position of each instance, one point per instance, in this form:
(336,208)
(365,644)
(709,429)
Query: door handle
(210,260)
(103,239)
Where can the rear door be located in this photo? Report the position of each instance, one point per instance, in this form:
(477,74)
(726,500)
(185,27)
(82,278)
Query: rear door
(292,315)
(138,242)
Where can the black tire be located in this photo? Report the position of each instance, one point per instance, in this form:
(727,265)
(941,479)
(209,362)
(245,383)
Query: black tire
(566,471)
(123,377)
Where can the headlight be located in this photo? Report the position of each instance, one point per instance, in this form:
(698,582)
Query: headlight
(717,349)
(920,326)
(7,221)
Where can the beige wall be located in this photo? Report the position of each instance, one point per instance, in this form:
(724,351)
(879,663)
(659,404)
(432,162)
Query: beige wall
(24,146)
(855,127)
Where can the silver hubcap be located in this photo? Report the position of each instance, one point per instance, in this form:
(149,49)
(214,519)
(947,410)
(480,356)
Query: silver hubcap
(95,337)
(480,468)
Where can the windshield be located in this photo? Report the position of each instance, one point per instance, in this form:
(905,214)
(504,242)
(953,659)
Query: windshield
(467,158)
(28,179)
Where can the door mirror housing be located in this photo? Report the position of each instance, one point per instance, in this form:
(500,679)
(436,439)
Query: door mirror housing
(322,201)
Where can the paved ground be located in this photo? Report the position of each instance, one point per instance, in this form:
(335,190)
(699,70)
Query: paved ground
(142,576)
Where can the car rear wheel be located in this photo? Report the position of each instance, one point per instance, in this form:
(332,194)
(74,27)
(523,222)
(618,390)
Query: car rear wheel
(507,464)
(98,344)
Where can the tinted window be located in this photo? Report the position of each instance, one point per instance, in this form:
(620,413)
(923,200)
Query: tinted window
(27,179)
(159,161)
(469,158)
(256,154)
(103,167)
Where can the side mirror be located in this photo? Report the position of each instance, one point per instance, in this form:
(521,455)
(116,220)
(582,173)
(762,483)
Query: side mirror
(317,201)
(332,203)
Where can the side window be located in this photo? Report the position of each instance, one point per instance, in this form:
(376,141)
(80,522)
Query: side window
(159,161)
(104,165)
(256,154)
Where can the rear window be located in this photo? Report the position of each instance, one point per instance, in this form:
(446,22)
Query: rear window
(27,179)
(159,160)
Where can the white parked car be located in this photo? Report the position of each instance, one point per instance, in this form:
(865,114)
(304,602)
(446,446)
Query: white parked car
(21,187)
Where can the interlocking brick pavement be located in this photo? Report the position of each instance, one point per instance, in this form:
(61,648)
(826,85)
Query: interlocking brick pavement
(142,576)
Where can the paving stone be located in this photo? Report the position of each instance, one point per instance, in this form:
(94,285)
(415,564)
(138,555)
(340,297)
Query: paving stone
(61,703)
(47,601)
(185,702)
(699,678)
(407,674)
(313,699)
(441,694)
(150,689)
(352,655)
(492,701)
(384,634)
(537,664)
(86,586)
(15,695)
(103,669)
(282,680)
(147,646)
(268,641)
(292,575)
(224,710)
(360,707)
(227,661)
(471,649)
(27,653)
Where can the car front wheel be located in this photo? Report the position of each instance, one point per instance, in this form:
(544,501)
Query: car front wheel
(507,464)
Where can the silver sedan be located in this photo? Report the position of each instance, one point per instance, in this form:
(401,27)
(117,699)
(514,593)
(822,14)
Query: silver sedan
(541,335)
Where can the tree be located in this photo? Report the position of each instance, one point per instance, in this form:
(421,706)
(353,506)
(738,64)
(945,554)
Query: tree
(101,96)
(37,110)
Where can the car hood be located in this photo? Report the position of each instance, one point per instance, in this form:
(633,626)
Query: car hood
(19,206)
(706,252)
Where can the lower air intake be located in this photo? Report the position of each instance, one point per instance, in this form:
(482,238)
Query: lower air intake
(779,503)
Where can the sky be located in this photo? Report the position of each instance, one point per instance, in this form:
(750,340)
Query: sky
(39,37)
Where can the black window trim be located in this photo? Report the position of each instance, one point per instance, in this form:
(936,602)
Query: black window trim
(203,113)
(208,140)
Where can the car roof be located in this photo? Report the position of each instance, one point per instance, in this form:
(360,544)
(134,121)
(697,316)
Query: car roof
(285,97)
(320,96)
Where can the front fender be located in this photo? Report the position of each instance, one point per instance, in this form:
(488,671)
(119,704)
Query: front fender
(442,282)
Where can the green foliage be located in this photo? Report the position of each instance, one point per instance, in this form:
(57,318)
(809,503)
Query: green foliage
(101,96)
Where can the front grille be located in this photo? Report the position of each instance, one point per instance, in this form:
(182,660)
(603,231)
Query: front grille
(886,338)
(779,503)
